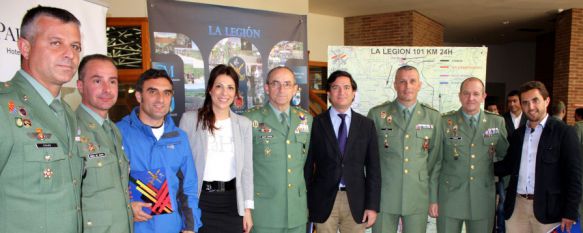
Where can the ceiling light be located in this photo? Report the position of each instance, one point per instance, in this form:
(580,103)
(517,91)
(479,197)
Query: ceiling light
(506,22)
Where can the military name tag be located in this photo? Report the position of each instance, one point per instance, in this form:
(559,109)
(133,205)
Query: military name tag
(386,129)
(457,138)
(47,145)
(96,155)
(266,136)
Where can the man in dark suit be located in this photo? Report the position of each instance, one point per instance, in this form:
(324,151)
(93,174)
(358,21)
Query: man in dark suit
(342,170)
(514,117)
(544,164)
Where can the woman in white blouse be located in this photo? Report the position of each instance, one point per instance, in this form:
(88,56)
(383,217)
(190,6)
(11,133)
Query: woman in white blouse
(222,150)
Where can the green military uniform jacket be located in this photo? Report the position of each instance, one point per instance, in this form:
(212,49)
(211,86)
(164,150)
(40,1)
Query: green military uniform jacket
(278,167)
(409,155)
(105,199)
(466,183)
(40,170)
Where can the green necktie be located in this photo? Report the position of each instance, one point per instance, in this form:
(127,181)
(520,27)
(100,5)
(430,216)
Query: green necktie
(59,110)
(108,127)
(284,121)
(473,123)
(406,115)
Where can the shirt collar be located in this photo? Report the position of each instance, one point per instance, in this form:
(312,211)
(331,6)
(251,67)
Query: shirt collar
(277,112)
(475,116)
(93,114)
(40,89)
(334,112)
(402,107)
(542,123)
(515,116)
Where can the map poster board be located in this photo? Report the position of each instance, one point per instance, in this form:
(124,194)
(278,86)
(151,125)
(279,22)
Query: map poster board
(189,39)
(441,70)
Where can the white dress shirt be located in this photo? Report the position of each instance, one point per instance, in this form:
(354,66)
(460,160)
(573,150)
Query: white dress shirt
(526,175)
(220,160)
(336,120)
(516,119)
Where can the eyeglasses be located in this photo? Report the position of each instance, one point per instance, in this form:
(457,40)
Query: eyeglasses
(277,84)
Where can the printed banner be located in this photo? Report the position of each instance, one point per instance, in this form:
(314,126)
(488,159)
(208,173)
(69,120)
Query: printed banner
(189,39)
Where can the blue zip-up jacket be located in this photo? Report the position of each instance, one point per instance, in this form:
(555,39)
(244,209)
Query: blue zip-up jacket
(170,156)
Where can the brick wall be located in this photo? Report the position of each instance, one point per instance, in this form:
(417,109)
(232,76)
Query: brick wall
(568,65)
(405,28)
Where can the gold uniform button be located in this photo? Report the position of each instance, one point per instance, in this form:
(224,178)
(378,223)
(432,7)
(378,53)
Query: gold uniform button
(48,157)
(472,167)
(406,160)
(287,141)
(406,135)
(406,148)
(288,156)
(473,145)
(473,156)
(74,181)
(289,170)
(289,185)
(129,206)
(89,223)
(471,178)
(406,171)
(99,164)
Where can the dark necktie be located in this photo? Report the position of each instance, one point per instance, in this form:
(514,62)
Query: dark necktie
(342,134)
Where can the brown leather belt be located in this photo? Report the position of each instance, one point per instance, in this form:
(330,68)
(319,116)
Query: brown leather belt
(527,196)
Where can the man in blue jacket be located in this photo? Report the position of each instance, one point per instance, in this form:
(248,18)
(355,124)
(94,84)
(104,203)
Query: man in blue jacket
(161,165)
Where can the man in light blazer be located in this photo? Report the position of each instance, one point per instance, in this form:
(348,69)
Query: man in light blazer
(342,170)
(243,156)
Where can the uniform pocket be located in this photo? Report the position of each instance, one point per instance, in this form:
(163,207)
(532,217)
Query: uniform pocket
(97,221)
(99,172)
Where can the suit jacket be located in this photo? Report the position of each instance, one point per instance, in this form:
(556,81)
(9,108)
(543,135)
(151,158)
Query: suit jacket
(408,168)
(470,193)
(359,166)
(198,139)
(40,177)
(105,199)
(557,190)
(510,126)
(279,156)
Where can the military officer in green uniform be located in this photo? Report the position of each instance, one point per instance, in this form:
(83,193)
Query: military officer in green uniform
(105,199)
(473,140)
(40,170)
(409,135)
(281,135)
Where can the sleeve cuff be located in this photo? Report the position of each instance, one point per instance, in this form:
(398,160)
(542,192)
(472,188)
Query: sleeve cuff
(249,204)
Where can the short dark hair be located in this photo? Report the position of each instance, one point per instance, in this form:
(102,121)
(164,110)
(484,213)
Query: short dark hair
(27,27)
(407,68)
(513,93)
(152,74)
(89,58)
(557,107)
(579,112)
(531,85)
(473,79)
(279,68)
(340,73)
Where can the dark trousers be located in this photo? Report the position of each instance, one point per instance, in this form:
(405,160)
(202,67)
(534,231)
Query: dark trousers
(219,212)
(500,227)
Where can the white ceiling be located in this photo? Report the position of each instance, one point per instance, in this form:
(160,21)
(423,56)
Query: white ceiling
(465,21)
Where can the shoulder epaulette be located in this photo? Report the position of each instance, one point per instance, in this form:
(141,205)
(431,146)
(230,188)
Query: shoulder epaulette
(452,112)
(429,107)
(5,87)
